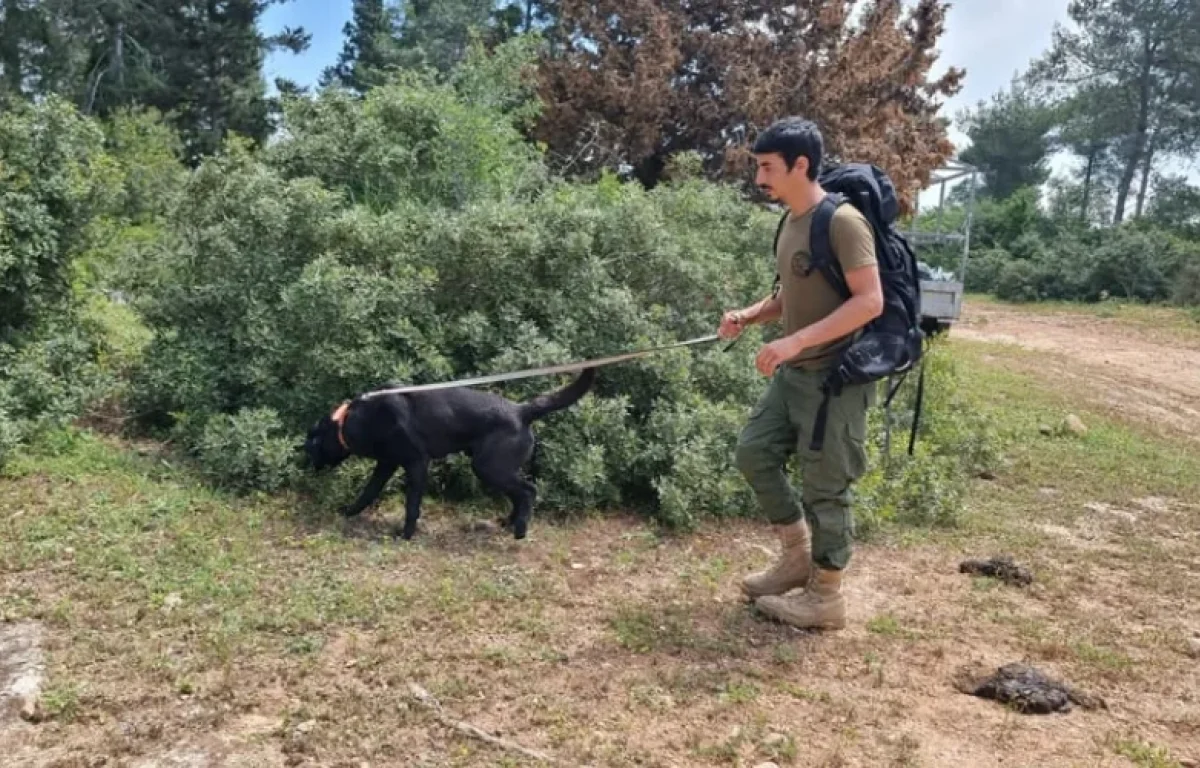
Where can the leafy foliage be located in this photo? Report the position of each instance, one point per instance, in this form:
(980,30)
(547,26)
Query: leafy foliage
(1130,70)
(199,62)
(636,82)
(1010,140)
(56,183)
(955,442)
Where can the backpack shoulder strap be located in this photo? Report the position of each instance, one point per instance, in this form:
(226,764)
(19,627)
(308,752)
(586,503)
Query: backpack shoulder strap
(820,242)
(779,231)
(776,285)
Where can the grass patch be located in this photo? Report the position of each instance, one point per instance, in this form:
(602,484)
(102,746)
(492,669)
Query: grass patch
(1144,754)
(886,625)
(670,630)
(740,692)
(1112,462)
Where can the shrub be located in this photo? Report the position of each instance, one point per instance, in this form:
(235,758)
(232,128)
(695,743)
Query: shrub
(984,268)
(1187,285)
(62,199)
(46,382)
(246,452)
(955,442)
(289,295)
(1019,281)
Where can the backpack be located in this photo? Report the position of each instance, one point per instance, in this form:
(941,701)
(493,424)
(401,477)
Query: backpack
(891,344)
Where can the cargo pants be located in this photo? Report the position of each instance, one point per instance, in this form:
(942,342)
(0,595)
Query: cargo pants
(780,427)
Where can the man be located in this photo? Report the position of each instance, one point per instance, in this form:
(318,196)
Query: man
(814,534)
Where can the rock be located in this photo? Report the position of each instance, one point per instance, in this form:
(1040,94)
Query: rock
(1074,425)
(306,726)
(1193,647)
(171,602)
(767,764)
(1046,430)
(31,710)
(775,740)
(1002,568)
(22,672)
(1025,689)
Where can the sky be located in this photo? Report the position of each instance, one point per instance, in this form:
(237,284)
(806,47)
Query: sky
(991,40)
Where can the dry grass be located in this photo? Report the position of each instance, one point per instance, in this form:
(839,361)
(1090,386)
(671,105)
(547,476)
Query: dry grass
(185,625)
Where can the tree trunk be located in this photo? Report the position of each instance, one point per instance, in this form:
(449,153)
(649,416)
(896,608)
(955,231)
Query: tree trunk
(1087,182)
(1138,149)
(1147,166)
(119,53)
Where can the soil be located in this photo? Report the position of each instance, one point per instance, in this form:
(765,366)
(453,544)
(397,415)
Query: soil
(1152,376)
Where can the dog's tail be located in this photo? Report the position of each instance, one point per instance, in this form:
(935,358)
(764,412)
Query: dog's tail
(556,401)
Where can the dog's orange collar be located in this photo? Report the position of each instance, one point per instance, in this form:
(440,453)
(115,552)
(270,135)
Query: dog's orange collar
(339,418)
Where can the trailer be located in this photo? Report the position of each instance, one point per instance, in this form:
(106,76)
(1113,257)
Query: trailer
(942,293)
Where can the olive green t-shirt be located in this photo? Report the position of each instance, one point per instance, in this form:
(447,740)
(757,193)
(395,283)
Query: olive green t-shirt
(808,299)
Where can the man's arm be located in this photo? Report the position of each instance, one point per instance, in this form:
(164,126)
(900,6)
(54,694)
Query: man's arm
(770,308)
(733,323)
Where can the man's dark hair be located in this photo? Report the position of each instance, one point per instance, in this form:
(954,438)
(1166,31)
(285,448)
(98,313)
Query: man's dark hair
(793,137)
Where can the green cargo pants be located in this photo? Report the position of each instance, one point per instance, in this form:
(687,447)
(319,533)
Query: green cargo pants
(780,426)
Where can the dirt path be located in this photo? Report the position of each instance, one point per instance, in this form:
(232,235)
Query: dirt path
(1140,373)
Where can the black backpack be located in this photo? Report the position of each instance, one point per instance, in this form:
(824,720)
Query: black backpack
(891,344)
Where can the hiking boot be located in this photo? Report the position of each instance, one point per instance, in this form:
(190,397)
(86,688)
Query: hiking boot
(821,606)
(792,569)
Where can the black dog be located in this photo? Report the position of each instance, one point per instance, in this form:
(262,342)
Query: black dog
(411,430)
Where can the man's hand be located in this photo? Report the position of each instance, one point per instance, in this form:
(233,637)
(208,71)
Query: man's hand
(778,352)
(732,325)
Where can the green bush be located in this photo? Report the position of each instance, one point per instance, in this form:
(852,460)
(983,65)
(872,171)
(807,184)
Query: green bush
(246,452)
(984,268)
(1019,281)
(1187,285)
(297,280)
(955,442)
(70,188)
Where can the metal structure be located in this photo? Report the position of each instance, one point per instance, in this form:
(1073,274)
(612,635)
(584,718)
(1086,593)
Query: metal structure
(941,300)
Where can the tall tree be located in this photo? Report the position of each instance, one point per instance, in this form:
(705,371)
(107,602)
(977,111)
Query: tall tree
(214,72)
(437,33)
(200,61)
(1146,55)
(636,81)
(371,48)
(1176,205)
(1010,139)
(1088,122)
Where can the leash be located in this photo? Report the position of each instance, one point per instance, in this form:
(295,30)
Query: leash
(545,370)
